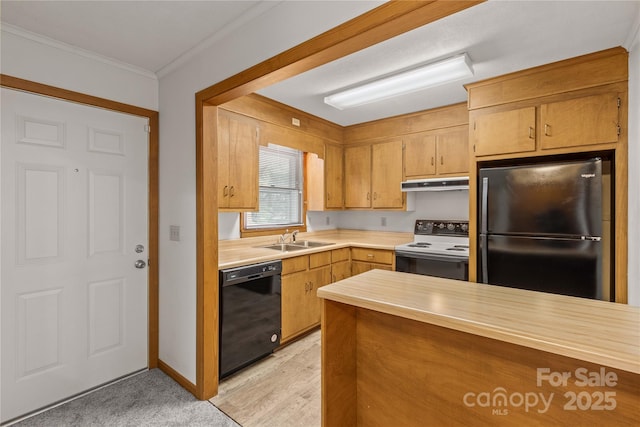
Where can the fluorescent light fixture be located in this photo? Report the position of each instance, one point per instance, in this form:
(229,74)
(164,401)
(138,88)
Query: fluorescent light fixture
(429,75)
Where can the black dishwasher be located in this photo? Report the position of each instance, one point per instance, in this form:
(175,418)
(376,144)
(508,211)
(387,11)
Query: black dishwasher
(250,322)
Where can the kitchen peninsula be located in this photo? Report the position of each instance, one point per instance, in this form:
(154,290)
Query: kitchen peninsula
(404,349)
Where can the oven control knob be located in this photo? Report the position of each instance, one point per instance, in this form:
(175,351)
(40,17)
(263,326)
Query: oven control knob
(464,227)
(450,227)
(441,226)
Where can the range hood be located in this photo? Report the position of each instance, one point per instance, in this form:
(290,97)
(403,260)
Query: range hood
(436,184)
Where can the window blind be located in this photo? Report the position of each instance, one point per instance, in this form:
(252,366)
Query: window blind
(280,181)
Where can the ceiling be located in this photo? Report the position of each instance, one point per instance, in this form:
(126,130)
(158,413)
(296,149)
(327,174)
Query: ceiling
(499,37)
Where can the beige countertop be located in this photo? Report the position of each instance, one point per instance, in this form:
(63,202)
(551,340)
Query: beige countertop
(595,331)
(238,252)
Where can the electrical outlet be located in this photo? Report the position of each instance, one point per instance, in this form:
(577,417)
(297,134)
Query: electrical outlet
(383,221)
(174,233)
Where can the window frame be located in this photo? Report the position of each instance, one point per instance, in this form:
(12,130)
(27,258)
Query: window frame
(269,231)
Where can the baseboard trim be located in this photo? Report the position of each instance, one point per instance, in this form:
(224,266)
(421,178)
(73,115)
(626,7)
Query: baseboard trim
(177,377)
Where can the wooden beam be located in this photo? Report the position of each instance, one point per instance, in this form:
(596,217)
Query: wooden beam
(380,24)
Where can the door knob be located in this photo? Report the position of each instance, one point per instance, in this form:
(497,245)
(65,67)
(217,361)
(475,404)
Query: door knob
(139,248)
(140,264)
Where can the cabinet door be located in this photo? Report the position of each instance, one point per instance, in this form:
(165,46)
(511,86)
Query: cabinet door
(334,173)
(243,164)
(357,166)
(223,161)
(318,278)
(340,270)
(386,174)
(582,121)
(296,315)
(314,168)
(453,151)
(420,155)
(505,132)
(300,302)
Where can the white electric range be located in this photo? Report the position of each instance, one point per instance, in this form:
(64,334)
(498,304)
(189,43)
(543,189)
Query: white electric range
(440,248)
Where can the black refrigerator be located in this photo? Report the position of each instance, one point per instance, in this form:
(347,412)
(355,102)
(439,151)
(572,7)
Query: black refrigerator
(540,227)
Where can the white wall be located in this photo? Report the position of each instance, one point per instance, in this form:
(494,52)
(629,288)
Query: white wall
(634,168)
(36,58)
(280,27)
(443,205)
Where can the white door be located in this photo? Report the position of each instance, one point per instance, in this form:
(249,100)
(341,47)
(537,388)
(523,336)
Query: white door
(74,208)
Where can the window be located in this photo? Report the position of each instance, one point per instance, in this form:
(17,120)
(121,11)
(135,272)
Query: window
(280,177)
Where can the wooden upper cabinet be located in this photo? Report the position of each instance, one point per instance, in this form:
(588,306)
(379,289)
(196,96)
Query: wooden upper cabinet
(334,176)
(453,151)
(504,132)
(357,167)
(237,162)
(581,121)
(386,174)
(443,152)
(314,180)
(420,155)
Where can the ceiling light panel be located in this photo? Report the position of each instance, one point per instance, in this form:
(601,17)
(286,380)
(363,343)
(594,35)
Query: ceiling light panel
(429,75)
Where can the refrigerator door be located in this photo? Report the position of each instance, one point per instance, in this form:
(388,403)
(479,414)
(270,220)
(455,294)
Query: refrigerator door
(555,265)
(553,199)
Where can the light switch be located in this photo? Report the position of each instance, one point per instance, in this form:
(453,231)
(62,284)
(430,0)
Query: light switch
(174,233)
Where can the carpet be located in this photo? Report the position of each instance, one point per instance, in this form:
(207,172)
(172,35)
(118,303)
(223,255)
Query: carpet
(148,399)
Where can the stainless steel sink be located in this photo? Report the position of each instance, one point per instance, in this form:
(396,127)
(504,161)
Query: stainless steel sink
(284,247)
(311,244)
(297,246)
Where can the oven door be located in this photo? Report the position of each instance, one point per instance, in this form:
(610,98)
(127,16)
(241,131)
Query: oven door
(432,265)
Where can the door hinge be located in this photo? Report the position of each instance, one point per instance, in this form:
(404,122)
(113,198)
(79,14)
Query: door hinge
(619,129)
(619,102)
(474,125)
(474,148)
(147,128)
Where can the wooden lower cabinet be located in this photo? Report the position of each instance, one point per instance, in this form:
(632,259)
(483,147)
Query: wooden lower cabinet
(301,278)
(340,264)
(364,259)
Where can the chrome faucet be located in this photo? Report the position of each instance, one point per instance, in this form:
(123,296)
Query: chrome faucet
(284,236)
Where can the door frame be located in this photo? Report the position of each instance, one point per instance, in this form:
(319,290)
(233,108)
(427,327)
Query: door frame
(16,83)
(379,24)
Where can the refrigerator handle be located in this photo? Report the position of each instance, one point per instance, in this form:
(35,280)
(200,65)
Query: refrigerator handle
(484,253)
(483,229)
(485,201)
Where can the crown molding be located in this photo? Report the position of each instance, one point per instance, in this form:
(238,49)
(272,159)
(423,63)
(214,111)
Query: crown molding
(38,38)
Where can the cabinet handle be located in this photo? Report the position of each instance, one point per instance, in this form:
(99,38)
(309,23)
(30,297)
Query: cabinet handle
(432,161)
(368,196)
(532,133)
(375,196)
(442,160)
(370,256)
(225,191)
(547,130)
(232,192)
(328,196)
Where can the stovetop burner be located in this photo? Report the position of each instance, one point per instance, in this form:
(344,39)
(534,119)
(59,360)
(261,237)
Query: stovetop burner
(439,237)
(419,245)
